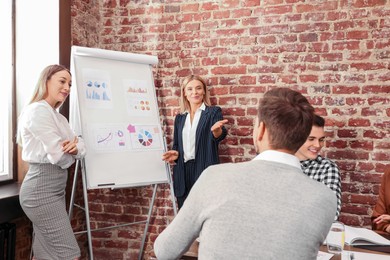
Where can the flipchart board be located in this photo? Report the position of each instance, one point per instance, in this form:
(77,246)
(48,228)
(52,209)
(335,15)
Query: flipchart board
(113,106)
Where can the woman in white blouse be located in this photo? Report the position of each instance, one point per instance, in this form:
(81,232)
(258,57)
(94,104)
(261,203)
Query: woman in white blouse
(49,146)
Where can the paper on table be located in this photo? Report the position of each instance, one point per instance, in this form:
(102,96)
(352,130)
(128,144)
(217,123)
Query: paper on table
(363,256)
(324,255)
(363,236)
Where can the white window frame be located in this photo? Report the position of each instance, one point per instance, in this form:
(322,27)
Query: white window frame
(36,45)
(6,91)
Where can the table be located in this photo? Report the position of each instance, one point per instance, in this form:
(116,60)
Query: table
(354,249)
(192,253)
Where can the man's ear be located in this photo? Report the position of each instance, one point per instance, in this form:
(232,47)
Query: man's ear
(261,131)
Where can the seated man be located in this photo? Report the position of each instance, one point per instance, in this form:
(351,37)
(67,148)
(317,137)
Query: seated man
(317,167)
(261,209)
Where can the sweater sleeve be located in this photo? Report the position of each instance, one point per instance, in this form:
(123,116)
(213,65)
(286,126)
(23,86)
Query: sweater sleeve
(179,235)
(382,204)
(218,117)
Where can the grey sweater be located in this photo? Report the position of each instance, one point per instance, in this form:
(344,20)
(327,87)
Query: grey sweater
(251,210)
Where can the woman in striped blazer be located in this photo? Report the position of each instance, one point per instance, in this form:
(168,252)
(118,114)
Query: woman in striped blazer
(198,130)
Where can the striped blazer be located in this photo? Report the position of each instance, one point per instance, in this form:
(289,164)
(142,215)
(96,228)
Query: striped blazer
(206,145)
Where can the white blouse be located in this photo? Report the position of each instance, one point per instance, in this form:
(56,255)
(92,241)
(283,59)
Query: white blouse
(189,133)
(41,132)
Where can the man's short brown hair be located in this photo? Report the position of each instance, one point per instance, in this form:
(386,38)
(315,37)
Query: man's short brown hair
(318,121)
(288,117)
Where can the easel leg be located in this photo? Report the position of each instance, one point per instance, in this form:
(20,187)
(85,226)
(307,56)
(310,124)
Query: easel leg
(169,175)
(86,207)
(173,198)
(87,213)
(72,195)
(147,222)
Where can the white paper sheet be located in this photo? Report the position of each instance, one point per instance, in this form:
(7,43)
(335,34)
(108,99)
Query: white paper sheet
(324,255)
(363,256)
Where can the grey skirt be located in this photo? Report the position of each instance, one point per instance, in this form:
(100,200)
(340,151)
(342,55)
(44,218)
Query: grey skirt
(42,197)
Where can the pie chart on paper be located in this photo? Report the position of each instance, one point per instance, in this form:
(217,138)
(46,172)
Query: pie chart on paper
(145,138)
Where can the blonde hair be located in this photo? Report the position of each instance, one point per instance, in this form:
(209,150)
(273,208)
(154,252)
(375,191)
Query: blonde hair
(40,90)
(184,104)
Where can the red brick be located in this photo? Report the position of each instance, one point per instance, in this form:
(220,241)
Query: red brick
(219,91)
(249,89)
(227,60)
(359,122)
(355,78)
(251,3)
(276,29)
(228,41)
(231,151)
(227,80)
(376,89)
(357,35)
(246,141)
(229,70)
(221,14)
(347,133)
(346,89)
(248,59)
(190,7)
(354,209)
(109,4)
(247,80)
(242,12)
(348,155)
(229,101)
(266,79)
(355,101)
(382,145)
(368,3)
(346,45)
(365,145)
(365,166)
(374,134)
(311,58)
(308,78)
(339,144)
(382,100)
(234,111)
(288,79)
(244,121)
(381,156)
(370,111)
(346,166)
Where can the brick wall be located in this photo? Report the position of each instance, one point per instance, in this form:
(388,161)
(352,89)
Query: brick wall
(23,238)
(335,52)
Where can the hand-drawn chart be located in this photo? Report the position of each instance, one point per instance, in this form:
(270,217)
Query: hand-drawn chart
(145,137)
(110,138)
(97,88)
(138,98)
(118,137)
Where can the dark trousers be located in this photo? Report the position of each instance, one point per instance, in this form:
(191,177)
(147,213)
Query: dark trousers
(190,179)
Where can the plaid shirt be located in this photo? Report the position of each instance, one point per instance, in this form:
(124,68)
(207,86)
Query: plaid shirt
(325,171)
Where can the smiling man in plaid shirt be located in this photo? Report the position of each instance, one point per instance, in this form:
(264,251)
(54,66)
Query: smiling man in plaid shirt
(317,167)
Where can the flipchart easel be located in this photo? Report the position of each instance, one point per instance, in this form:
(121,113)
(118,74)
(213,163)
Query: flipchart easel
(83,61)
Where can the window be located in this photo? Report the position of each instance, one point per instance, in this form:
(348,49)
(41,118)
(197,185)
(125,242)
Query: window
(29,42)
(6,89)
(37,43)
